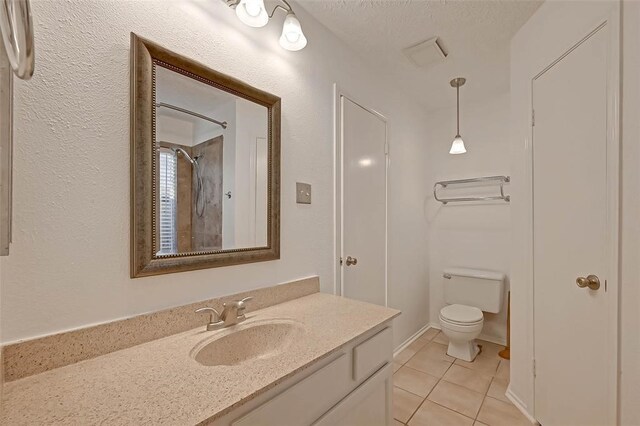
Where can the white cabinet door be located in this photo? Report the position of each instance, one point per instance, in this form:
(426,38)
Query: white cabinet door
(305,401)
(368,405)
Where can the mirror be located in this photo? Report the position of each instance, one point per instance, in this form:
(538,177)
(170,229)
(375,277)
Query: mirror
(205,166)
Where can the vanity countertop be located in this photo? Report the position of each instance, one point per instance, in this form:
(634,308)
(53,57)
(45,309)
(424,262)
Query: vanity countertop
(159,382)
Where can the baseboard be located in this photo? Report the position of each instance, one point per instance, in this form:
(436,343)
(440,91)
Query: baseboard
(493,339)
(411,339)
(520,405)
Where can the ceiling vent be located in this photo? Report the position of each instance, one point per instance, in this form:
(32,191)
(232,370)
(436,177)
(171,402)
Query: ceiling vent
(426,52)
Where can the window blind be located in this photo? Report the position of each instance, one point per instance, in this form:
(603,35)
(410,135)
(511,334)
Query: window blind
(168,201)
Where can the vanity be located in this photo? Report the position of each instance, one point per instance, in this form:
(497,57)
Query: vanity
(351,386)
(318,359)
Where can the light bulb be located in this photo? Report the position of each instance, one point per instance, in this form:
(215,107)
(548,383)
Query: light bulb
(292,37)
(252,13)
(253,8)
(457,147)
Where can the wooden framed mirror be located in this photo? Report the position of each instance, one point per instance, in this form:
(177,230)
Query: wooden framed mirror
(205,166)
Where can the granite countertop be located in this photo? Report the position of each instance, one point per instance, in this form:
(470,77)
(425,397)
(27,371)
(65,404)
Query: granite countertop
(159,382)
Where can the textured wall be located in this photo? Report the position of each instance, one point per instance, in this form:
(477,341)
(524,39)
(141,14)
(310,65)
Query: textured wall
(69,265)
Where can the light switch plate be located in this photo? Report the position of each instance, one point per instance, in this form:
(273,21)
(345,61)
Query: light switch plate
(303,193)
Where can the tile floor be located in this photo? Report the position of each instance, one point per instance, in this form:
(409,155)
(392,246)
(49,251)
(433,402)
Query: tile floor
(431,388)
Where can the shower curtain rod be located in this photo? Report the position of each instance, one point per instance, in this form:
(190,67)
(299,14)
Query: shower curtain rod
(223,124)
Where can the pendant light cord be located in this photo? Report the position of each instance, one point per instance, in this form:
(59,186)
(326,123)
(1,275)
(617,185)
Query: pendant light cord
(458,110)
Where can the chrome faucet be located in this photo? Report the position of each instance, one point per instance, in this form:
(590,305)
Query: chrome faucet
(234,312)
(231,314)
(214,319)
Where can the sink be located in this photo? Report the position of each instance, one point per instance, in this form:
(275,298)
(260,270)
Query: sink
(248,342)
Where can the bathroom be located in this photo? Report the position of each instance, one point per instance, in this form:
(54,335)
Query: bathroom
(347,249)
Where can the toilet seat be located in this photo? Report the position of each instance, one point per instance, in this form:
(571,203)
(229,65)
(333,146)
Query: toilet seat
(461,315)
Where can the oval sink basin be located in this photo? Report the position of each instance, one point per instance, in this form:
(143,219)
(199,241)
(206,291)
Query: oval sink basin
(254,341)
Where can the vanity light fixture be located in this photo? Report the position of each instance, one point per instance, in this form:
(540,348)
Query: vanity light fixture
(254,14)
(457,146)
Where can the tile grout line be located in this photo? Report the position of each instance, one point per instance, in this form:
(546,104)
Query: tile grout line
(432,340)
(402,365)
(440,405)
(481,405)
(426,397)
(456,411)
(484,394)
(449,409)
(441,380)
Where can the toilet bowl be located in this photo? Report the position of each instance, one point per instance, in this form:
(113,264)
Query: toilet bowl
(462,324)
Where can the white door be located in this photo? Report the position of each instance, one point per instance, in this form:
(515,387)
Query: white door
(258,159)
(363,211)
(572,235)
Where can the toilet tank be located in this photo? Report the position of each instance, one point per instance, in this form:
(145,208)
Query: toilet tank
(474,287)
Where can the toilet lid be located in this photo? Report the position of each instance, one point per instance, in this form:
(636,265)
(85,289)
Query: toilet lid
(462,313)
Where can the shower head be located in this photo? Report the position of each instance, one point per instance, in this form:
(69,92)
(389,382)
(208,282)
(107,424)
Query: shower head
(183,152)
(200,202)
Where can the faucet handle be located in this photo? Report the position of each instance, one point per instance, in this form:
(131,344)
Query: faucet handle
(214,318)
(241,305)
(214,313)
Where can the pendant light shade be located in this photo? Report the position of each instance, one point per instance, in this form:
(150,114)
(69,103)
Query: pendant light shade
(457,146)
(292,37)
(252,13)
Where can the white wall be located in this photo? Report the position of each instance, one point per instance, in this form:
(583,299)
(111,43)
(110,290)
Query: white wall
(224,111)
(69,265)
(550,24)
(173,129)
(630,233)
(471,235)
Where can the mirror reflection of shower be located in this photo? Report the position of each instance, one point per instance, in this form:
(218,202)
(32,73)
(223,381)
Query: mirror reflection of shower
(212,167)
(200,202)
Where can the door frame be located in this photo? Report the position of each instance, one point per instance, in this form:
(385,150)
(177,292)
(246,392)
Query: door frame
(611,19)
(338,93)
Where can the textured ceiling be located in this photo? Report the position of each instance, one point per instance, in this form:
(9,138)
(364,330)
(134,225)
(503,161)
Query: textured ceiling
(476,34)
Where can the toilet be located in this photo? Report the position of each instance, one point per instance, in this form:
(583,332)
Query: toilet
(468,293)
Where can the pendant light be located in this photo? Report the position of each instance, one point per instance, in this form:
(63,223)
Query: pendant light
(457,146)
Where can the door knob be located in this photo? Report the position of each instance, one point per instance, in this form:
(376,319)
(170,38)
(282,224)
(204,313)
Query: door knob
(351,261)
(592,281)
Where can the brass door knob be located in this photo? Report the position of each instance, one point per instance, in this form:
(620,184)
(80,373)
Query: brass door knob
(592,281)
(351,261)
